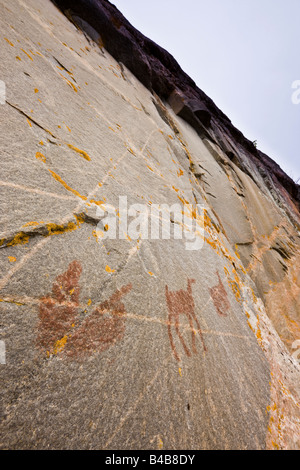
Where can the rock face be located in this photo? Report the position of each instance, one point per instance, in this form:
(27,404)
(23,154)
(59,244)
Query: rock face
(137,342)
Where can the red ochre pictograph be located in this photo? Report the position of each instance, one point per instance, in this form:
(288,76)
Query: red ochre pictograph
(61,331)
(220,298)
(181,304)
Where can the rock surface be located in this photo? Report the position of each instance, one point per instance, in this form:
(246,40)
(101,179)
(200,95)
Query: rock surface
(136,343)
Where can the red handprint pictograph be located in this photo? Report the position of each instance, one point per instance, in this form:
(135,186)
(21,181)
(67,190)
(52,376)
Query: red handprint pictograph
(61,329)
(181,304)
(102,329)
(58,310)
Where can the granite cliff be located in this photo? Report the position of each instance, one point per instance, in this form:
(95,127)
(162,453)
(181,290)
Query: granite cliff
(137,342)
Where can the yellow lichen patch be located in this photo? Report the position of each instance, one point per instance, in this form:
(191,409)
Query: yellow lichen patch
(9,42)
(180,173)
(66,186)
(160,444)
(32,224)
(69,82)
(248,321)
(89,302)
(19,239)
(41,142)
(40,156)
(27,54)
(98,203)
(12,259)
(131,151)
(258,333)
(72,85)
(29,122)
(109,270)
(184,201)
(18,58)
(56,229)
(180,371)
(82,153)
(59,345)
(234,284)
(10,301)
(150,273)
(36,90)
(98,234)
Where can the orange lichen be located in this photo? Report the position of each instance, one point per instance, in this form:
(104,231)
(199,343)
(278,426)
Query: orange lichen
(32,224)
(27,54)
(40,156)
(109,270)
(60,345)
(12,259)
(131,151)
(11,301)
(9,42)
(69,82)
(56,229)
(82,153)
(19,239)
(234,284)
(98,203)
(66,186)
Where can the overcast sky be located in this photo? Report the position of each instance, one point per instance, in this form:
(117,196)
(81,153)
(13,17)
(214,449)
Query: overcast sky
(244,54)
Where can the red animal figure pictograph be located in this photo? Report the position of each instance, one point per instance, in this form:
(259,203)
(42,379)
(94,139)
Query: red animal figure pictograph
(181,304)
(62,331)
(220,298)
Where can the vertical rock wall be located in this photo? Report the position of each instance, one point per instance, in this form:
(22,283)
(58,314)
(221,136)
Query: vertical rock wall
(135,343)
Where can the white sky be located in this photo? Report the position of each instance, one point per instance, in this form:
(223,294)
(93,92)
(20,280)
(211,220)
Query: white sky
(244,54)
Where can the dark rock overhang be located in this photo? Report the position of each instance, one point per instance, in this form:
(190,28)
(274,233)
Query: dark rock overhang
(158,71)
